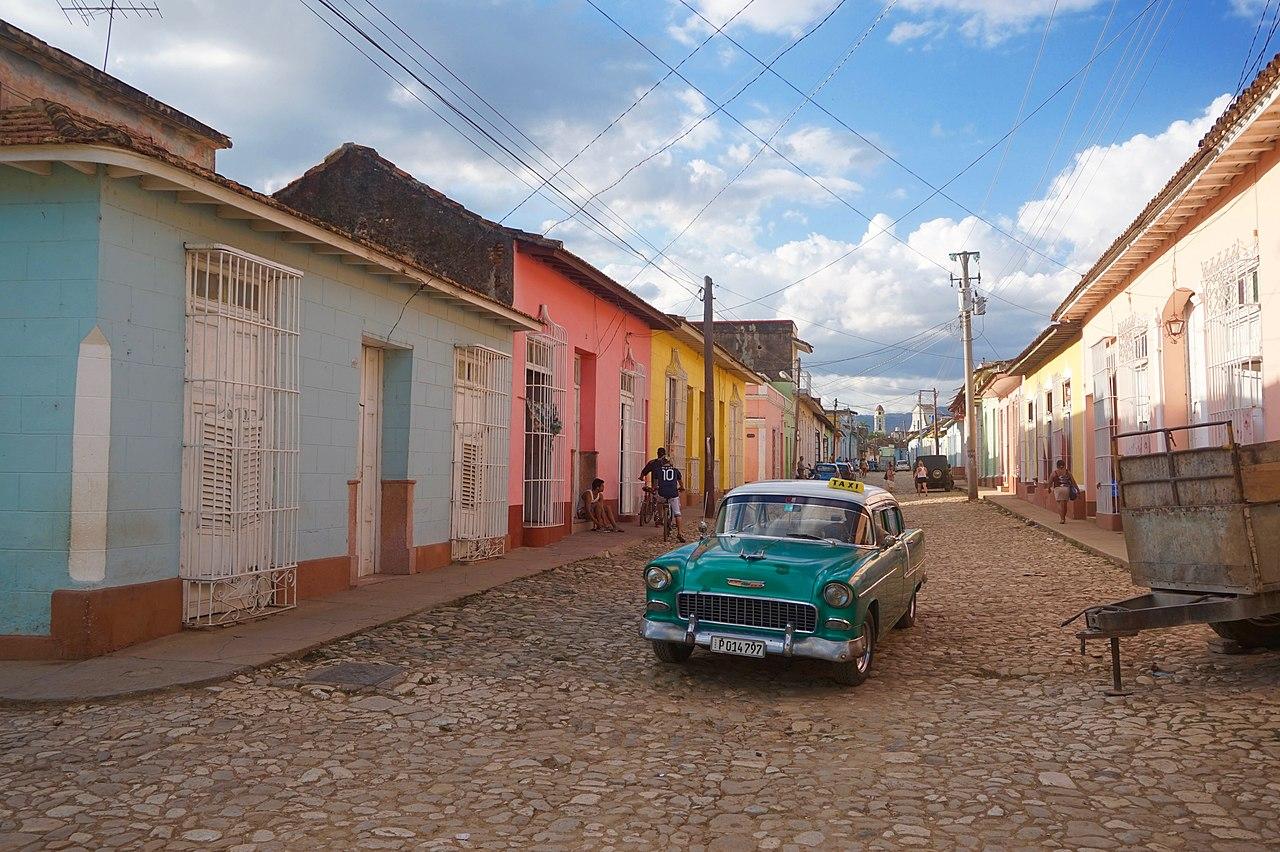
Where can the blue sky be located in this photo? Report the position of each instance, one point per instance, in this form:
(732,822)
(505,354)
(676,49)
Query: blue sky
(934,84)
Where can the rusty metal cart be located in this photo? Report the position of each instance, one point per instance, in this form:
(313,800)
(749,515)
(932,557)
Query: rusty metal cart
(1202,527)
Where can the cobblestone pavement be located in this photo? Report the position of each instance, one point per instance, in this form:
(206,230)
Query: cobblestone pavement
(532,715)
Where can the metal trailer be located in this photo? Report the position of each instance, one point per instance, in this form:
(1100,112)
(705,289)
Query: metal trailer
(1202,527)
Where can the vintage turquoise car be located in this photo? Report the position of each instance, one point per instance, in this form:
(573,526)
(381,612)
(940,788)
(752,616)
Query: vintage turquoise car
(793,568)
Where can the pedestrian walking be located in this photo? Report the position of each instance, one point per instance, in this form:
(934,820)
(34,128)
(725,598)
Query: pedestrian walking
(922,477)
(889,471)
(802,469)
(865,468)
(1064,488)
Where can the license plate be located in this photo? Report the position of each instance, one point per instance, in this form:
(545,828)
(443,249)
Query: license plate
(740,647)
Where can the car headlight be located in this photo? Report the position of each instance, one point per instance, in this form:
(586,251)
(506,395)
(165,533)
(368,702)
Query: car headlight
(837,595)
(657,577)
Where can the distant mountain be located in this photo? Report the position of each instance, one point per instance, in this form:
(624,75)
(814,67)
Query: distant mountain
(893,420)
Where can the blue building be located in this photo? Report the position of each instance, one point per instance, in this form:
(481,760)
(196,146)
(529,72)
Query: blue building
(211,405)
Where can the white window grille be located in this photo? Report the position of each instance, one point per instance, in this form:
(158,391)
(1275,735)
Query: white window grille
(239,529)
(677,401)
(633,386)
(1233,338)
(1133,383)
(1104,423)
(736,430)
(546,370)
(481,414)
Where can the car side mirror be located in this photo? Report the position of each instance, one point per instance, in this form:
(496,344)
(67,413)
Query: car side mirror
(702,529)
(890,540)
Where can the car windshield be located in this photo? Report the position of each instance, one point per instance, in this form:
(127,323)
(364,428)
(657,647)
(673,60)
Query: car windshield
(826,469)
(803,518)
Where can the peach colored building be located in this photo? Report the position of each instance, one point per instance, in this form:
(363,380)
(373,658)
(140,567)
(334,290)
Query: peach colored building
(1181,315)
(766,433)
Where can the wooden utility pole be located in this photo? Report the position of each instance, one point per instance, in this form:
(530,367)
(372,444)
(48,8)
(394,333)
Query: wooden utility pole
(795,447)
(936,450)
(709,402)
(970,411)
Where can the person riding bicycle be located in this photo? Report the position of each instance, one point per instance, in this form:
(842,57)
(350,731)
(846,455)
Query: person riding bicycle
(651,467)
(650,470)
(670,487)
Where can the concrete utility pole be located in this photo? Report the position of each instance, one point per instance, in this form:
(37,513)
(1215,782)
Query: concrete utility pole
(709,402)
(970,412)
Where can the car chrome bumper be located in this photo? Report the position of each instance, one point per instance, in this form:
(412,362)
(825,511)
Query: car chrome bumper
(811,647)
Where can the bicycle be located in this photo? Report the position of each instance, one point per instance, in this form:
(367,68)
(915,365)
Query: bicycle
(649,507)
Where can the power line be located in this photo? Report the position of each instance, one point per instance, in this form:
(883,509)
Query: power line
(867,140)
(1244,66)
(635,103)
(768,143)
(453,108)
(497,113)
(706,116)
(1052,95)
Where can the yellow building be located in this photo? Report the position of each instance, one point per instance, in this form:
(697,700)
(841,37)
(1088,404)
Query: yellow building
(677,396)
(1034,413)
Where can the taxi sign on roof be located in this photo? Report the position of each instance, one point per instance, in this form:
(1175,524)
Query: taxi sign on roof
(853,485)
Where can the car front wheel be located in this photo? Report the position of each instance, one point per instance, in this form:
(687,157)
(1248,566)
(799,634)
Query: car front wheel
(854,672)
(671,652)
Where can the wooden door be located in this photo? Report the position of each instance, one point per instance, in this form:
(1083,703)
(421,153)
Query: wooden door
(369,461)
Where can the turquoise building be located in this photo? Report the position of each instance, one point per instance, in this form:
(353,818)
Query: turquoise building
(211,405)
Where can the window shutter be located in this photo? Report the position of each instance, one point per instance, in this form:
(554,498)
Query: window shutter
(217,478)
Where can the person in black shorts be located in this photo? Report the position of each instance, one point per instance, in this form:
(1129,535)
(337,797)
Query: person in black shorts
(670,487)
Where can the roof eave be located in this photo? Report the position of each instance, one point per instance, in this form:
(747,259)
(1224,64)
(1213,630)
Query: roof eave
(158,176)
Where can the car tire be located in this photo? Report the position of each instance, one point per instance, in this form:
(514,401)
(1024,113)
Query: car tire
(671,652)
(854,672)
(1262,632)
(909,617)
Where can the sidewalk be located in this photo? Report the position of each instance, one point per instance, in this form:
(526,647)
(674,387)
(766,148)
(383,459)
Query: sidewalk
(1083,534)
(195,657)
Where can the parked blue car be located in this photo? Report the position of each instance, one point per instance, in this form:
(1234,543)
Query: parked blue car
(826,470)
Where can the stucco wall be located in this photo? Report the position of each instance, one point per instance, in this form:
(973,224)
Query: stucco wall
(663,345)
(599,332)
(1245,212)
(139,263)
(1067,365)
(48,269)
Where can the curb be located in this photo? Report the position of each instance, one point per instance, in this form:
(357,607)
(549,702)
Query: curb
(296,653)
(1076,543)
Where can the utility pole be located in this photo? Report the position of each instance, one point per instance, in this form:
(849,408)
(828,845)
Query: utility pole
(709,402)
(970,412)
(937,451)
(835,418)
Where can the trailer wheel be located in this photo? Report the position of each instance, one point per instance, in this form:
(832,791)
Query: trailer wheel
(1261,632)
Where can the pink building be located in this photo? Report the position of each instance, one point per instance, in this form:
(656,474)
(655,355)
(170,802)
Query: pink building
(766,433)
(579,404)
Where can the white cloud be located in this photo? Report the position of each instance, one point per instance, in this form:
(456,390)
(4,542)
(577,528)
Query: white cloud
(992,21)
(911,30)
(1089,203)
(783,17)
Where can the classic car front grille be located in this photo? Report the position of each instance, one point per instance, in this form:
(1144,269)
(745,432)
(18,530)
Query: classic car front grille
(748,612)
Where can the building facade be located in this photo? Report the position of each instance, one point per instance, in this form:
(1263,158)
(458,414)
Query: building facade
(766,433)
(677,392)
(579,389)
(214,404)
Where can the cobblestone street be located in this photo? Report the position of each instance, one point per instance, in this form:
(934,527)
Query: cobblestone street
(532,715)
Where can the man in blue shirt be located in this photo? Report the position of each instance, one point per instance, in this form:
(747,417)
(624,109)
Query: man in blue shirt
(670,487)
